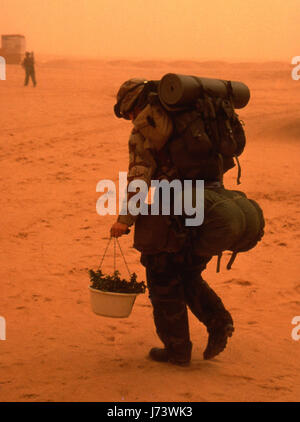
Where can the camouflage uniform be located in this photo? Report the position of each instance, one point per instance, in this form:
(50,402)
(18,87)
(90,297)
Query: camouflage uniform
(173,276)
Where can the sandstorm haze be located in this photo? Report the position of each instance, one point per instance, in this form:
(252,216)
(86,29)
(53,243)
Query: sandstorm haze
(188,29)
(59,139)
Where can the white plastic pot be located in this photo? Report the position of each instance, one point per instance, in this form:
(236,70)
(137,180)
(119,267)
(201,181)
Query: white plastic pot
(113,305)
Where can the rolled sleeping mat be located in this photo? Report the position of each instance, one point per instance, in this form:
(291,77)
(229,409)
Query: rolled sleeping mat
(177,91)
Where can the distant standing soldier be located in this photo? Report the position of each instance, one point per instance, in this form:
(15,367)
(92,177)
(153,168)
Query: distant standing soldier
(28,64)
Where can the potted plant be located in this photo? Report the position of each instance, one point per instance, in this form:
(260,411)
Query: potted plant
(112,296)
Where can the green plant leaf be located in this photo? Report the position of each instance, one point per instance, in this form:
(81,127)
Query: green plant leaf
(113,283)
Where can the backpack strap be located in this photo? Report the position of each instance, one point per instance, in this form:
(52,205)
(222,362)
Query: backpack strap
(229,91)
(238,179)
(230,97)
(231,261)
(221,167)
(219,262)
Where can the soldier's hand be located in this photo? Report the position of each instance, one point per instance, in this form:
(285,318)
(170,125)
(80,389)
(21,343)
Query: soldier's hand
(118,229)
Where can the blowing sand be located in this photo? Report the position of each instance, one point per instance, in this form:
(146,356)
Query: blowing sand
(57,141)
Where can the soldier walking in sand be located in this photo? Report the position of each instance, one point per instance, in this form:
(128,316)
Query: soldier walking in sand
(191,144)
(173,275)
(28,65)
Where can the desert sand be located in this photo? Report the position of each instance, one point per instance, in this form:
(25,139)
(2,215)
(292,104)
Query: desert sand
(57,141)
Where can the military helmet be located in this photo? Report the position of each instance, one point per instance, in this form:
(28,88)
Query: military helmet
(127,96)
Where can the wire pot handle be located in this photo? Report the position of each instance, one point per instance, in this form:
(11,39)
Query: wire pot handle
(116,241)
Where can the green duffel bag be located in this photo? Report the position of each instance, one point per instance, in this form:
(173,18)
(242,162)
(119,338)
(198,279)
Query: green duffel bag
(231,222)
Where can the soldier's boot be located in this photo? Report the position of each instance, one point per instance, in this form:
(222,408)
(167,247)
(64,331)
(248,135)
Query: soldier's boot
(171,323)
(218,332)
(207,306)
(162,355)
(220,328)
(159,354)
(166,293)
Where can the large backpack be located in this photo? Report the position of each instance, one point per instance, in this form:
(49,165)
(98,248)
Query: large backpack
(203,137)
(201,142)
(206,139)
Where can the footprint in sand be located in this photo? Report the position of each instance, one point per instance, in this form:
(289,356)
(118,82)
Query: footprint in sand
(29,396)
(274,388)
(186,395)
(61,176)
(238,281)
(294,303)
(242,377)
(83,377)
(22,235)
(297,288)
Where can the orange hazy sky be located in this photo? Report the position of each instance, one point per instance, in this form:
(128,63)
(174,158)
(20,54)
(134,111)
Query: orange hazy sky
(188,29)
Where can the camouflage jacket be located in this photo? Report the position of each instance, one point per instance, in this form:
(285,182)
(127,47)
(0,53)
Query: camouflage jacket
(148,157)
(142,165)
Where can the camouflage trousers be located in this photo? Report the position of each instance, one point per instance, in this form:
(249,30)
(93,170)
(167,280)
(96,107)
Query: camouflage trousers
(30,73)
(174,282)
